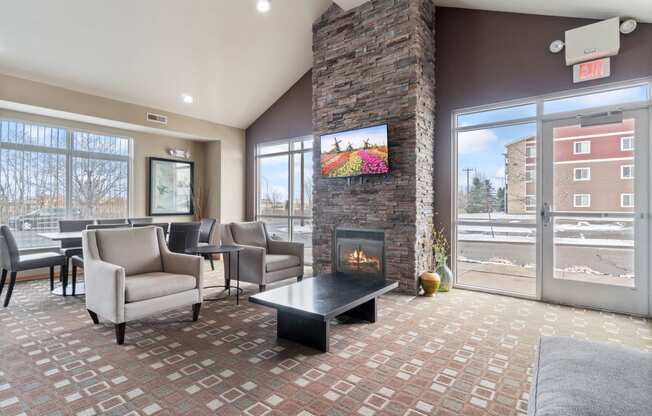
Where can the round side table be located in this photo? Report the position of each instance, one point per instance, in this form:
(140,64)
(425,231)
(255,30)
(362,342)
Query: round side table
(230,250)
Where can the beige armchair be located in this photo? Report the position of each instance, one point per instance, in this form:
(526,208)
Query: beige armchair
(131,274)
(263,260)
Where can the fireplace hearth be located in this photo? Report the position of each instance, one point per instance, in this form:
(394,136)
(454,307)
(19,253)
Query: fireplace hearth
(360,251)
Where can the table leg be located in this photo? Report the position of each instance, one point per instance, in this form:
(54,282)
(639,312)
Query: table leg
(366,311)
(311,332)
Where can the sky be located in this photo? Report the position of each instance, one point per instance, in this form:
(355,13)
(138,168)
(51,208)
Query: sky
(376,135)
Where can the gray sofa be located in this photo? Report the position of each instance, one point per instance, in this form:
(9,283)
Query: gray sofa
(263,260)
(581,378)
(130,273)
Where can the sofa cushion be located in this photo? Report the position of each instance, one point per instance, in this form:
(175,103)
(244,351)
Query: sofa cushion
(135,249)
(249,234)
(156,284)
(275,262)
(581,378)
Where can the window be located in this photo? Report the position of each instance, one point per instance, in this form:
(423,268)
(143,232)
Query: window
(530,151)
(497,115)
(49,173)
(582,174)
(582,200)
(626,143)
(627,200)
(597,99)
(581,148)
(627,172)
(284,190)
(530,201)
(530,175)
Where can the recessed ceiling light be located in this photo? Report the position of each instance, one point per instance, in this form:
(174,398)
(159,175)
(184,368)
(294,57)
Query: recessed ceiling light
(263,6)
(556,46)
(187,98)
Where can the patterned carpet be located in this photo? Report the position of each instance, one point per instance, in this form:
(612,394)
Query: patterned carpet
(461,353)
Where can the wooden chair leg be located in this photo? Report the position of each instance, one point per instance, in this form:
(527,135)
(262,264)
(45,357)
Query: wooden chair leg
(10,289)
(93,316)
(195,311)
(261,288)
(212,264)
(2,280)
(299,278)
(51,278)
(120,333)
(74,279)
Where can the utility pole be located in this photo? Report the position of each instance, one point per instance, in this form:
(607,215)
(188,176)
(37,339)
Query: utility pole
(468,182)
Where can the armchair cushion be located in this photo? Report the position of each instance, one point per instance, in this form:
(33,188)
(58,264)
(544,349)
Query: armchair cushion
(249,234)
(274,262)
(156,284)
(137,250)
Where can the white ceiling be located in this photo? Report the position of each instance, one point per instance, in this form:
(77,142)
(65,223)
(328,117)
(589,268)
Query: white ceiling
(234,61)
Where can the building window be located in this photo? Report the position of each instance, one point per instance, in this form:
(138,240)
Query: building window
(49,173)
(627,200)
(581,200)
(284,190)
(530,202)
(530,175)
(627,172)
(627,143)
(582,174)
(530,151)
(581,148)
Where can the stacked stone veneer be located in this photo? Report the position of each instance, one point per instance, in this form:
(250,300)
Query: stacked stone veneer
(375,64)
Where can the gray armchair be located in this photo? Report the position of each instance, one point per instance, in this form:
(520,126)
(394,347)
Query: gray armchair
(130,273)
(263,260)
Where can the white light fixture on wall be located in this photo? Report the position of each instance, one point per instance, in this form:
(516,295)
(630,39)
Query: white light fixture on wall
(556,46)
(179,153)
(628,26)
(263,6)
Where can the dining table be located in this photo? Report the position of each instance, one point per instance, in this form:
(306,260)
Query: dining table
(80,289)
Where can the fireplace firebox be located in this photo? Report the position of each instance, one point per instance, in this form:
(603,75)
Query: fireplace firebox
(360,251)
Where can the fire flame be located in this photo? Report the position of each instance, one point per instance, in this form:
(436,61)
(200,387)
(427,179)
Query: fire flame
(358,256)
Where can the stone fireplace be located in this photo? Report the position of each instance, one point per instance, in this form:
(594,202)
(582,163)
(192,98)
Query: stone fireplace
(360,251)
(375,64)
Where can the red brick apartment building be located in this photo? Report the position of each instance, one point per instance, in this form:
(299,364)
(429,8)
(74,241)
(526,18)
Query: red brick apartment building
(594,170)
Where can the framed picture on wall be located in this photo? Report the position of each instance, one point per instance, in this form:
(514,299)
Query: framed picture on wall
(170,187)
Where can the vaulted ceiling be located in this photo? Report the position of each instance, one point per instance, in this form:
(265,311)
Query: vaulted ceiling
(234,61)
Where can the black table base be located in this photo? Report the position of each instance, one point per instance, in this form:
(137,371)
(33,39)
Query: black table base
(227,288)
(210,250)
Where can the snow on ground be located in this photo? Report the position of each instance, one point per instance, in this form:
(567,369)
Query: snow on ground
(600,242)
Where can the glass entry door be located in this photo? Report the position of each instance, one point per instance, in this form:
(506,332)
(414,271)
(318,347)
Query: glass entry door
(594,211)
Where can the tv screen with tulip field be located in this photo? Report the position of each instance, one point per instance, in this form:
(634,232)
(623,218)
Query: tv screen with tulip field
(355,152)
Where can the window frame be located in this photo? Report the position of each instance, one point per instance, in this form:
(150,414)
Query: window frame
(290,152)
(622,171)
(587,142)
(69,153)
(583,168)
(622,143)
(622,200)
(576,205)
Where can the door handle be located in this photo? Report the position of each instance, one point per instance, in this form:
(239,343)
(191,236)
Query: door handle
(545,214)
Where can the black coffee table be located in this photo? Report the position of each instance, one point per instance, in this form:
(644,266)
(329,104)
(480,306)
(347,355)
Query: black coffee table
(305,309)
(230,250)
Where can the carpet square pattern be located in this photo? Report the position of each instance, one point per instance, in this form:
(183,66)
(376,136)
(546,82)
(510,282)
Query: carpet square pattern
(459,353)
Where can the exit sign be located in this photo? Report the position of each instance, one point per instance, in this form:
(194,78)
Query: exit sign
(587,71)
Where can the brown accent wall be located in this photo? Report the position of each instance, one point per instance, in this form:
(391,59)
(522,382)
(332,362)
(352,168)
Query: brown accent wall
(290,116)
(486,57)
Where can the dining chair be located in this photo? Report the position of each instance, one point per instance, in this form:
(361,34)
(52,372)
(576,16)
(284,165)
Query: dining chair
(140,220)
(112,221)
(206,231)
(71,247)
(183,235)
(12,262)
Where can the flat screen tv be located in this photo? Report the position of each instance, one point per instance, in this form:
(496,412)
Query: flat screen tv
(355,152)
